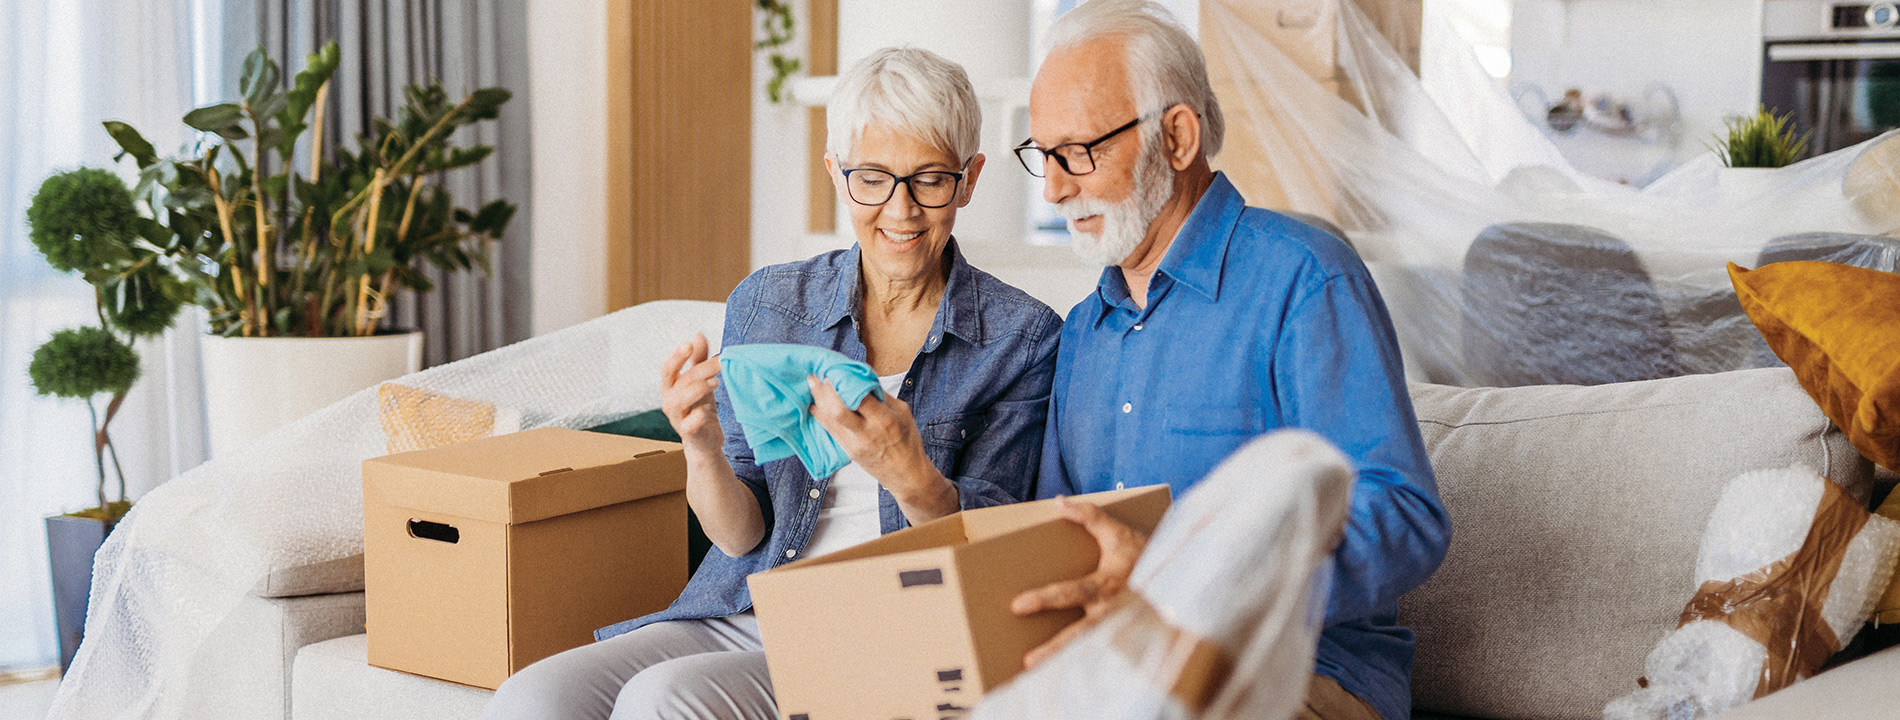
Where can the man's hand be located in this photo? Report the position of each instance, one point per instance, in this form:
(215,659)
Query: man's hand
(687,397)
(1121,546)
(881,437)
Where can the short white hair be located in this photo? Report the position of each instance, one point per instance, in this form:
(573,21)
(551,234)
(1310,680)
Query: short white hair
(911,91)
(1164,63)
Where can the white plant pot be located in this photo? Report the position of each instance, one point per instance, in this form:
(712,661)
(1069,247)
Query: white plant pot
(256,385)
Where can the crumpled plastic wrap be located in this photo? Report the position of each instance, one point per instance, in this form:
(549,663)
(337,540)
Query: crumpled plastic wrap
(1223,609)
(1787,557)
(194,547)
(1501,263)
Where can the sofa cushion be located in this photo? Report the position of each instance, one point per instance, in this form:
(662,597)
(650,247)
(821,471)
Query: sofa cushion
(334,681)
(1576,515)
(1838,326)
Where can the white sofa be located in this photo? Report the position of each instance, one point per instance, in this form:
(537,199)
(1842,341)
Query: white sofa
(1577,512)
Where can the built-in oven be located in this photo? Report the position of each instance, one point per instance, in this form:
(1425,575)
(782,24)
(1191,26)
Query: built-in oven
(1834,66)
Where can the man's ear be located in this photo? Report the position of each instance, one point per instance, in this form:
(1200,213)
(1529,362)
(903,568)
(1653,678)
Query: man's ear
(1181,133)
(970,172)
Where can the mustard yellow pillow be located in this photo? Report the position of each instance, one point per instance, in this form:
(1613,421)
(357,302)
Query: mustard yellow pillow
(1838,326)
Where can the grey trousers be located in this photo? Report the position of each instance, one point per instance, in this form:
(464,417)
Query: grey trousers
(687,669)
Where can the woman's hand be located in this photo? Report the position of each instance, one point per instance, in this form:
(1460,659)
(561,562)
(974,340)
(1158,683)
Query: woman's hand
(727,510)
(687,379)
(881,437)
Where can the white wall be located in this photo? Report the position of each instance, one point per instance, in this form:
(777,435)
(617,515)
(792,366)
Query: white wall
(1707,51)
(567,71)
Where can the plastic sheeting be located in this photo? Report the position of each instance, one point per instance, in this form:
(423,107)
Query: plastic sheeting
(1501,263)
(1224,604)
(191,550)
(1784,558)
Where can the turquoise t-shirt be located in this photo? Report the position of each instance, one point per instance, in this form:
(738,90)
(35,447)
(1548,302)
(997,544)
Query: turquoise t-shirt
(766,385)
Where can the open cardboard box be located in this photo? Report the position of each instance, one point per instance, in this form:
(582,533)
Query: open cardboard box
(484,556)
(916,624)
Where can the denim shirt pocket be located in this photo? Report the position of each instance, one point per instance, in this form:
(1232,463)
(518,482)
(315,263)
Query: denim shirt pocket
(944,438)
(1206,420)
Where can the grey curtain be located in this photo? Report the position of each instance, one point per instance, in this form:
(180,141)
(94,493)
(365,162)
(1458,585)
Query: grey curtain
(387,45)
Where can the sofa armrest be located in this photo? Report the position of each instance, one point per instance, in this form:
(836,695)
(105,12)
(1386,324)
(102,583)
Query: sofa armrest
(1863,688)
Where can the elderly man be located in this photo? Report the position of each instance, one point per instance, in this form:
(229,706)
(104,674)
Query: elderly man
(1214,322)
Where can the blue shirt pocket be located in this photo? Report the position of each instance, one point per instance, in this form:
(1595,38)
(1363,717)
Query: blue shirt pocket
(1212,420)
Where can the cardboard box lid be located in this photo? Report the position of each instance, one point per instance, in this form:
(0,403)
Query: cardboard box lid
(527,476)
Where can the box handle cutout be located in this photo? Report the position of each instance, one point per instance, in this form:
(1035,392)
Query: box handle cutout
(557,470)
(649,453)
(434,531)
(920,577)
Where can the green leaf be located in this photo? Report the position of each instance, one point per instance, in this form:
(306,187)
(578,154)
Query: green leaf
(131,143)
(259,78)
(222,118)
(493,219)
(485,104)
(462,157)
(318,68)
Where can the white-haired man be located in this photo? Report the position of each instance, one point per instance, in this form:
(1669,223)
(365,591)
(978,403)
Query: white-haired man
(1214,322)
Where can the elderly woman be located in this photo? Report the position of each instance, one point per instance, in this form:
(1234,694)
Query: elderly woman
(965,360)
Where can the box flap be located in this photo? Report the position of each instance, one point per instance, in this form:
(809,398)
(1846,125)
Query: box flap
(1138,507)
(527,476)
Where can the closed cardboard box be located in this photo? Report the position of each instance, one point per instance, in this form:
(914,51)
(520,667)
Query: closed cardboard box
(482,557)
(916,624)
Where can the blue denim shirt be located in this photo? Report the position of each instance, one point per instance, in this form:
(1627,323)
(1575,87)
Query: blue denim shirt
(1255,321)
(979,390)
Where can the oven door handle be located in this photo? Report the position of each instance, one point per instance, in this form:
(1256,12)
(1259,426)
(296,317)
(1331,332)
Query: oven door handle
(1798,52)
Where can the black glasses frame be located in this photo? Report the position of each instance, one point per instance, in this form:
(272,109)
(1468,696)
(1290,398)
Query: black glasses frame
(1032,157)
(955,186)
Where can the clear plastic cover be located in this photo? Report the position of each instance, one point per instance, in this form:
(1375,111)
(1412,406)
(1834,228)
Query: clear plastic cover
(191,550)
(1232,585)
(1500,262)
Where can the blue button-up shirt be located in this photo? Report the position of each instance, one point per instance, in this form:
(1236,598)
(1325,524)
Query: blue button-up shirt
(1255,321)
(979,390)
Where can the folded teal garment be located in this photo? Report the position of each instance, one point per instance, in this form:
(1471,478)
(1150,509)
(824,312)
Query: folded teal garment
(765,384)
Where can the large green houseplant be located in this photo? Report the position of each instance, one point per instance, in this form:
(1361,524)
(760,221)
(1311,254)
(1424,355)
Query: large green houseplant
(274,249)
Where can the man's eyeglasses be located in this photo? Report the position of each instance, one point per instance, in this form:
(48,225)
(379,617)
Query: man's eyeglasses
(930,189)
(1075,158)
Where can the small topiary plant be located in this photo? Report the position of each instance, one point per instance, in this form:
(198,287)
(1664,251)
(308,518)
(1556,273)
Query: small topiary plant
(85,221)
(1762,140)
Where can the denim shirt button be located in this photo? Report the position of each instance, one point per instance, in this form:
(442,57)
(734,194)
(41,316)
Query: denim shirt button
(1121,486)
(1137,327)
(791,553)
(815,493)
(1128,407)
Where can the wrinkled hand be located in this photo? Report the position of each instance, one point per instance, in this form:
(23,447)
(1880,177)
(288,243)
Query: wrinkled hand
(687,379)
(1095,592)
(881,437)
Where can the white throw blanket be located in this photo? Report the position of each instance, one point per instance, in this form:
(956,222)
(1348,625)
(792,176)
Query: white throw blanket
(193,548)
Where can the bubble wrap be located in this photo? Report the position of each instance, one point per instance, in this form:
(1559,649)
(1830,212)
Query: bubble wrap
(192,548)
(1241,560)
(1707,666)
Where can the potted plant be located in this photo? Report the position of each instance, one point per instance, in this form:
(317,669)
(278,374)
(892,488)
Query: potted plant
(295,255)
(85,221)
(1751,149)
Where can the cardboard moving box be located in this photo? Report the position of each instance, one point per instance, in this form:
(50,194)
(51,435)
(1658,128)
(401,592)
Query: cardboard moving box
(482,557)
(916,624)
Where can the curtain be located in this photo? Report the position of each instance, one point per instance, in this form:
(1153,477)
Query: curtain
(387,45)
(66,65)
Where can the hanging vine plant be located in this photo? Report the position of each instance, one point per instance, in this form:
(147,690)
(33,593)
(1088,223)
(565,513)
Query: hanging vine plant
(775,18)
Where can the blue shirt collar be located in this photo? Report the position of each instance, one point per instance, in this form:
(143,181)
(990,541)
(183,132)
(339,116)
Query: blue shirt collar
(959,313)
(1199,250)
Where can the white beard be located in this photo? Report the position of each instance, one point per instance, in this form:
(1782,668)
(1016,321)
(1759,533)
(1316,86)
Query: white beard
(1124,223)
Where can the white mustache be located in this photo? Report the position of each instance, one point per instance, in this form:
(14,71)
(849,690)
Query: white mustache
(1078,208)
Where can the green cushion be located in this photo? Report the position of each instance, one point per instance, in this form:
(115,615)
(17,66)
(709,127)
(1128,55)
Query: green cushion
(651,425)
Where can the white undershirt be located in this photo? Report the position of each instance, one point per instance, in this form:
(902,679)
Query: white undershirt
(849,514)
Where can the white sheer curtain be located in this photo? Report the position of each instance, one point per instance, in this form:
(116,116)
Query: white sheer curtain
(65,66)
